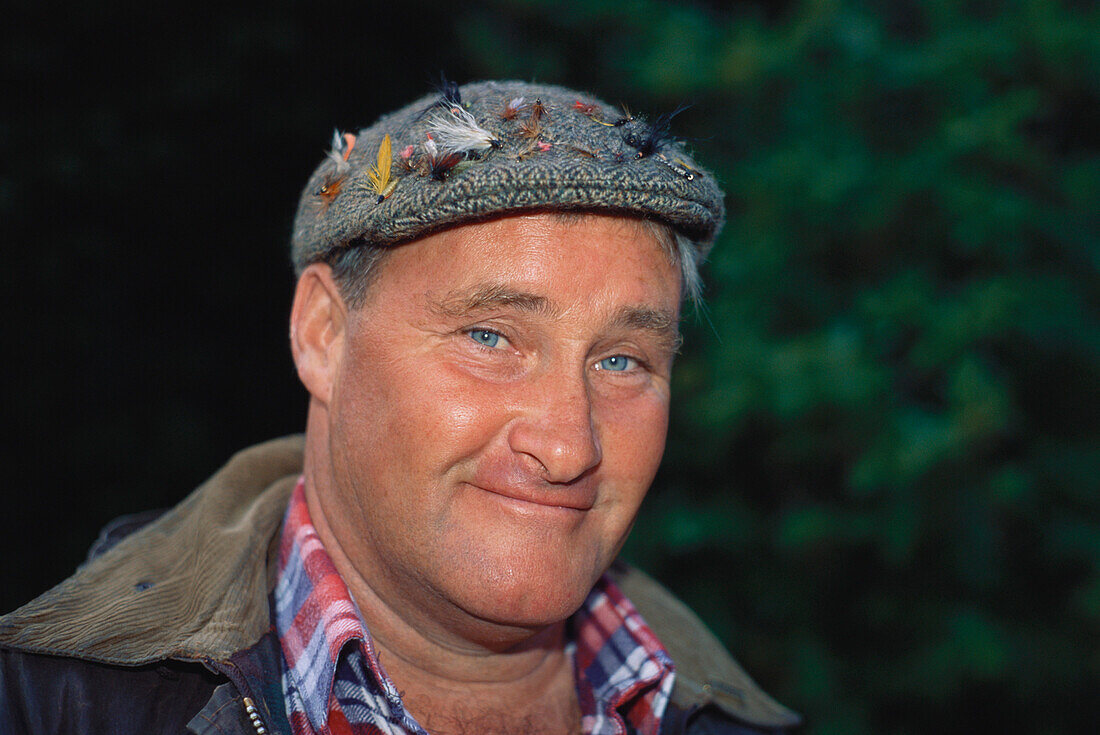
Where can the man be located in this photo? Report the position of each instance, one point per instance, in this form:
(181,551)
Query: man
(485,320)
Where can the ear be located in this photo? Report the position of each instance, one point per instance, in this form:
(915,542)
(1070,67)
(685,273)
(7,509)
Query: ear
(317,325)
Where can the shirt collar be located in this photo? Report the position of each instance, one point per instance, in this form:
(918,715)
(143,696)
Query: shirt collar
(620,666)
(315,616)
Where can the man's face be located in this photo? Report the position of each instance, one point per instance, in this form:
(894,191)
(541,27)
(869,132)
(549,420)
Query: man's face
(498,412)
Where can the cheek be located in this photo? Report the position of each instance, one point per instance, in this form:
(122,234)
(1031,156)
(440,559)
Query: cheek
(633,441)
(412,411)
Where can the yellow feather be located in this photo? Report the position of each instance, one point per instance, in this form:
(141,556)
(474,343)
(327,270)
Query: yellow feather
(380,174)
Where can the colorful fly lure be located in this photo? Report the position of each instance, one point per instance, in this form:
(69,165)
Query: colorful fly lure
(592,112)
(440,164)
(381,181)
(342,146)
(512,108)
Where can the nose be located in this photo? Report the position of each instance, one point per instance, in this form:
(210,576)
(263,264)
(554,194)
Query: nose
(556,429)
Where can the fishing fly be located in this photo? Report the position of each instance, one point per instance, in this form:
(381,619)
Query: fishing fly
(678,166)
(587,108)
(650,139)
(405,157)
(342,146)
(540,146)
(512,108)
(381,182)
(537,110)
(440,164)
(583,151)
(458,132)
(628,117)
(592,112)
(531,128)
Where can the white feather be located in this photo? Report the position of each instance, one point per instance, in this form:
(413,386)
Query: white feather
(338,153)
(458,132)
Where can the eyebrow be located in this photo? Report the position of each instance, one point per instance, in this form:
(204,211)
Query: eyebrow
(660,323)
(491,296)
(663,324)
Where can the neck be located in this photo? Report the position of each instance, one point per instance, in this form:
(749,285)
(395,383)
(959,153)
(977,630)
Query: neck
(473,689)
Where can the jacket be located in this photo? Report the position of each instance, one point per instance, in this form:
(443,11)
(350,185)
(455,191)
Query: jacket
(166,627)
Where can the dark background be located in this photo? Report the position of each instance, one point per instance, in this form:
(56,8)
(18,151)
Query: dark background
(882,486)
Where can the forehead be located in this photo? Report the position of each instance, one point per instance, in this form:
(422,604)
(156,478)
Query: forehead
(570,261)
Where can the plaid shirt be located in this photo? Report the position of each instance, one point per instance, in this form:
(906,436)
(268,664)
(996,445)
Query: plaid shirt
(333,682)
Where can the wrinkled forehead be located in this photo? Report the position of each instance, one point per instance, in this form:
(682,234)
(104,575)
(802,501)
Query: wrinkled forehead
(538,263)
(355,270)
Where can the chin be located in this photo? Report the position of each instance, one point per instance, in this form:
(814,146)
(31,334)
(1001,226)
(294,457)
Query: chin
(522,596)
(530,612)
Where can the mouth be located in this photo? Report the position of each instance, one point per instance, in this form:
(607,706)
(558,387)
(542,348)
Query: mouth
(578,499)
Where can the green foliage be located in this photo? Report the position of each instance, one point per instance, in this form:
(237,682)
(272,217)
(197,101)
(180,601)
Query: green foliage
(881,483)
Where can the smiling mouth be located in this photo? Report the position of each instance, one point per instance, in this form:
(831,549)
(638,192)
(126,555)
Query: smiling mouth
(574,499)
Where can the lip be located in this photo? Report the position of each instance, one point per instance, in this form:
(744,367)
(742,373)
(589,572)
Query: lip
(577,498)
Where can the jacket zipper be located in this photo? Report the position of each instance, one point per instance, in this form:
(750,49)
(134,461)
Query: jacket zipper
(254,716)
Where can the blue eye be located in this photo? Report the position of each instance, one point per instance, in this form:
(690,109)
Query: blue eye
(485,337)
(616,363)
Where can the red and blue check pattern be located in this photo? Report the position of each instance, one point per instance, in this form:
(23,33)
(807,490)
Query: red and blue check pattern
(333,682)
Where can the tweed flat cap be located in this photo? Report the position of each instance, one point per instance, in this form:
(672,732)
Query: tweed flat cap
(492,148)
